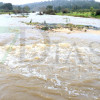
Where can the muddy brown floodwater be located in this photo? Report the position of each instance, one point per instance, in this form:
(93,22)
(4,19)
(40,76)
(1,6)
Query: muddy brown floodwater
(37,65)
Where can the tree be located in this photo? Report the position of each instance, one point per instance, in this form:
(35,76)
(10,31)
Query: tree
(17,9)
(59,8)
(92,10)
(49,10)
(7,7)
(26,9)
(49,7)
(20,10)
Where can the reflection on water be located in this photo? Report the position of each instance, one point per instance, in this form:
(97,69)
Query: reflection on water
(49,66)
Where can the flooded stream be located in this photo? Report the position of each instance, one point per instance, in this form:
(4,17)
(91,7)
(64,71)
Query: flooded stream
(39,65)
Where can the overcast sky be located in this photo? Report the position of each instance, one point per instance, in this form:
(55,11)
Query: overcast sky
(18,2)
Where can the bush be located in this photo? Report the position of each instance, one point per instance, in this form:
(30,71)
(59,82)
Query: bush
(65,11)
(98,12)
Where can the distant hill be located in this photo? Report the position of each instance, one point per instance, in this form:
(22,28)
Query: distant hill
(38,5)
(86,4)
(1,3)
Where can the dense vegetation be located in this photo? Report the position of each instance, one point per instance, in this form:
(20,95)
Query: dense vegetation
(82,8)
(8,7)
(18,9)
(81,12)
(74,8)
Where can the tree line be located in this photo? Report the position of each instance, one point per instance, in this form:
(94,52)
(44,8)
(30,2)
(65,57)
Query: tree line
(8,7)
(82,7)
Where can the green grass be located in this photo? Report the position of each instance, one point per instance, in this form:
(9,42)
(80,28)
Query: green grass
(79,14)
(97,16)
(6,12)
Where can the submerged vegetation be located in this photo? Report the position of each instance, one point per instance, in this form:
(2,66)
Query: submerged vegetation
(49,27)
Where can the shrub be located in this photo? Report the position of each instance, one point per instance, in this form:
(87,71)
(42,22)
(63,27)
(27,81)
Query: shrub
(98,12)
(65,11)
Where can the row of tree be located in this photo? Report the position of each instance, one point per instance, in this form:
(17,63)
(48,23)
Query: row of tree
(18,9)
(51,10)
(60,4)
(8,7)
(66,6)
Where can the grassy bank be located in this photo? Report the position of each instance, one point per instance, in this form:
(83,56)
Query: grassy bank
(6,12)
(79,14)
